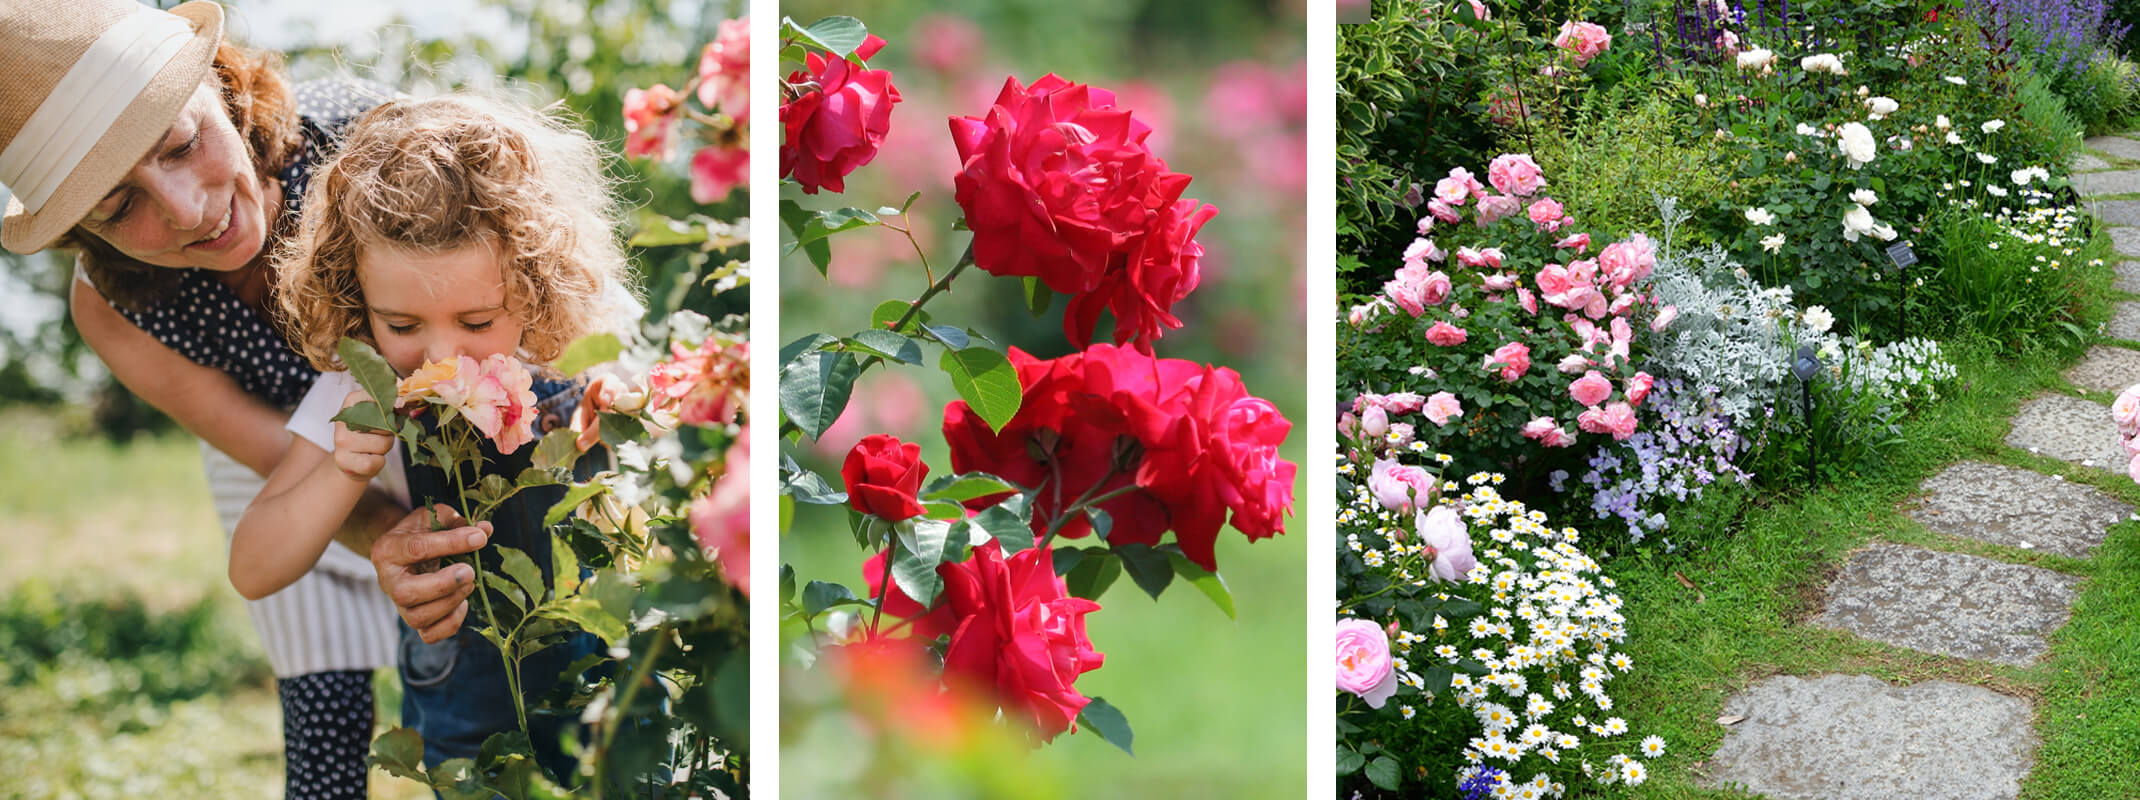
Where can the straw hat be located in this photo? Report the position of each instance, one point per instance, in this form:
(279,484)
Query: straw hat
(90,86)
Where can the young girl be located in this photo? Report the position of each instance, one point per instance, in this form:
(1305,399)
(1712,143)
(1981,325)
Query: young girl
(457,226)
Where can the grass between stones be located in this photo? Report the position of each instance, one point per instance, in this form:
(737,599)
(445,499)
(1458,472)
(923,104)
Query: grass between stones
(1761,577)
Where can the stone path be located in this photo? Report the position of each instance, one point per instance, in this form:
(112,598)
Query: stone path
(1855,736)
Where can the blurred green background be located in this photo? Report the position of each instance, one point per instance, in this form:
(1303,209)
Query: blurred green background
(1217,705)
(127,665)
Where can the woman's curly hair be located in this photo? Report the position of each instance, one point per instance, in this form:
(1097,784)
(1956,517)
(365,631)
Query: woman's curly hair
(444,173)
(262,109)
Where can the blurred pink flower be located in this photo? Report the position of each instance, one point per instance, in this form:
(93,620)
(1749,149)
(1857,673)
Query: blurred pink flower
(716,170)
(946,43)
(650,121)
(721,519)
(724,70)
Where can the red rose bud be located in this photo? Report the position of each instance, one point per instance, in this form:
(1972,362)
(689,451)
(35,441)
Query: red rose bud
(838,125)
(883,477)
(1204,448)
(1057,183)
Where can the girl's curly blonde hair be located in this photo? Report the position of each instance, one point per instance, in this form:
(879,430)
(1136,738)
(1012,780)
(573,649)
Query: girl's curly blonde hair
(444,173)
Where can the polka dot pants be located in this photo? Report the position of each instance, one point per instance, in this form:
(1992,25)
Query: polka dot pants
(326,733)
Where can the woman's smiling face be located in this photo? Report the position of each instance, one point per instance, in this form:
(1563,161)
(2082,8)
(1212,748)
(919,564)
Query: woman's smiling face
(432,306)
(193,200)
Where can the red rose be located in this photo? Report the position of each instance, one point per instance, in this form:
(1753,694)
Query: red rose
(883,477)
(837,125)
(1191,439)
(1014,628)
(1057,183)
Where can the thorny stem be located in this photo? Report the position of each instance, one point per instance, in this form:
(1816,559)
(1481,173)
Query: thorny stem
(624,703)
(913,310)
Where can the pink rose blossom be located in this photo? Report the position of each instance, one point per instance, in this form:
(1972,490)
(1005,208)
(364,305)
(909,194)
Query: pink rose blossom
(1443,407)
(1494,208)
(1557,437)
(1457,188)
(1583,41)
(1547,215)
(724,70)
(2126,410)
(1402,433)
(2132,470)
(1572,363)
(1444,212)
(717,170)
(1638,388)
(1514,358)
(1538,427)
(1375,421)
(1515,174)
(1443,334)
(721,519)
(1489,258)
(1403,402)
(1499,282)
(1592,420)
(1629,261)
(1619,421)
(1579,243)
(1527,300)
(1364,667)
(650,116)
(1441,529)
(1396,485)
(1664,318)
(1422,250)
(1590,390)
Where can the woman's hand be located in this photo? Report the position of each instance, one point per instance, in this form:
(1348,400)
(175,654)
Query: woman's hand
(431,600)
(359,454)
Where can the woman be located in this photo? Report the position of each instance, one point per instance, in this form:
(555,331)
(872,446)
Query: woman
(172,163)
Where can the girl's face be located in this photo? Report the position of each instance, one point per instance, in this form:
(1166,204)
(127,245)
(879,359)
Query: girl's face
(193,200)
(433,306)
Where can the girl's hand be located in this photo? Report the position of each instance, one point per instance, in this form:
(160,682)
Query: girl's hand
(359,455)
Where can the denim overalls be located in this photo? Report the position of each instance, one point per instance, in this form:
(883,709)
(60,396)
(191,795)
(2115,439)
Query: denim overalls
(455,692)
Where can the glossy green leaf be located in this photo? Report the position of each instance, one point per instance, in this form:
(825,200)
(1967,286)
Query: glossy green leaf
(1148,567)
(889,311)
(837,35)
(1038,297)
(589,614)
(888,345)
(587,351)
(523,571)
(1209,583)
(814,389)
(986,381)
(965,486)
(821,595)
(370,370)
(365,416)
(1107,721)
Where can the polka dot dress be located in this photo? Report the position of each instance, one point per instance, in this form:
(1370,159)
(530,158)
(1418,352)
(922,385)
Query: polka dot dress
(326,733)
(206,322)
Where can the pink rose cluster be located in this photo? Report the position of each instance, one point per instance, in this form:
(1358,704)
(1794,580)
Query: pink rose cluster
(1582,41)
(1373,412)
(496,395)
(651,115)
(2126,410)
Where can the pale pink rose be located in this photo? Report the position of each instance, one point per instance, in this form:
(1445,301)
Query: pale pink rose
(1479,8)
(1664,318)
(1553,280)
(1426,225)
(1443,407)
(1494,208)
(1441,529)
(1403,402)
(721,519)
(1434,289)
(1422,250)
(1364,667)
(1365,401)
(1572,363)
(1592,420)
(1557,437)
(1403,432)
(1579,243)
(1515,174)
(1408,295)
(1499,282)
(1514,358)
(1547,215)
(1638,388)
(2132,470)
(1538,427)
(1489,258)
(1396,485)
(1456,188)
(1585,41)
(2132,446)
(724,70)
(600,395)
(1619,420)
(2126,410)
(1590,390)
(1444,212)
(1621,302)
(1527,300)
(1443,334)
(1629,261)
(1375,422)
(1623,336)
(650,121)
(501,400)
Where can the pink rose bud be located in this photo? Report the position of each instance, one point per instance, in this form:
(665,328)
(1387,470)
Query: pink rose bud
(1375,421)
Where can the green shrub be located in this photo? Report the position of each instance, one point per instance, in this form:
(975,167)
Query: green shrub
(2055,128)
(2015,275)
(1619,157)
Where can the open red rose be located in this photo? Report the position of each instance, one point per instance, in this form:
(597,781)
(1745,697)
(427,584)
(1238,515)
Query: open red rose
(1057,183)
(883,477)
(1190,438)
(838,124)
(1013,627)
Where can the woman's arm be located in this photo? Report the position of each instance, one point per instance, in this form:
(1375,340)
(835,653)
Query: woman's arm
(202,399)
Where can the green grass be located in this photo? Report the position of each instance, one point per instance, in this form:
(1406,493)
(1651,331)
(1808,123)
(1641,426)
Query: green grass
(1759,581)
(128,667)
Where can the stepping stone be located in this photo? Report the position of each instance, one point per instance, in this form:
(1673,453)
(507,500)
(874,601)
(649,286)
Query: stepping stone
(2087,163)
(2106,369)
(2116,212)
(1852,737)
(2114,145)
(1949,603)
(2069,428)
(2128,277)
(2093,184)
(2125,318)
(2126,241)
(2010,506)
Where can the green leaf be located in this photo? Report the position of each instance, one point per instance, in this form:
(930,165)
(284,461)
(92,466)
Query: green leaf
(814,389)
(1093,574)
(1383,773)
(838,35)
(1349,760)
(1438,679)
(370,370)
(823,224)
(807,486)
(559,449)
(922,549)
(505,588)
(1003,524)
(889,311)
(574,496)
(366,416)
(1067,559)
(986,381)
(1102,523)
(589,614)
(536,476)
(949,335)
(588,351)
(965,486)
(1038,297)
(889,345)
(524,572)
(1210,583)
(821,595)
(458,779)
(1146,566)
(660,231)
(1107,721)
(787,583)
(401,753)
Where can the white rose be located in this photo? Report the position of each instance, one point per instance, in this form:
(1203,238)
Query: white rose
(1994,126)
(1864,197)
(1881,107)
(1857,143)
(1884,232)
(1701,100)
(2022,176)
(1954,138)
(1757,58)
(1823,62)
(1857,222)
(1818,319)
(1987,158)
(1773,244)
(1573,363)
(1760,216)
